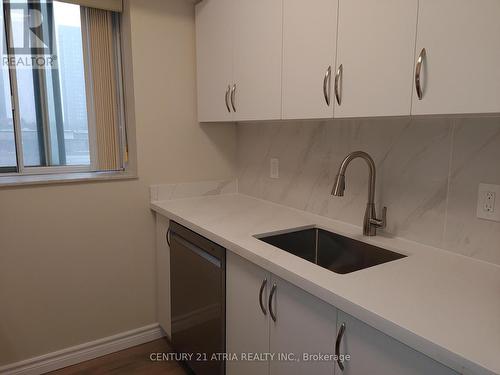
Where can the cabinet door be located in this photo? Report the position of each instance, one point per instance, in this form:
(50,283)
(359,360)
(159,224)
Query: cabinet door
(214,46)
(163,274)
(372,352)
(257,59)
(247,327)
(304,324)
(309,46)
(460,71)
(376,51)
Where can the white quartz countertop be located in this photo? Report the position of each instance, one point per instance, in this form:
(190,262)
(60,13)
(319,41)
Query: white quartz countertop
(442,304)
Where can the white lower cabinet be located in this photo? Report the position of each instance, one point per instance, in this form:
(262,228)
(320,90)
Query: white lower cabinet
(265,314)
(372,352)
(303,323)
(163,274)
(247,328)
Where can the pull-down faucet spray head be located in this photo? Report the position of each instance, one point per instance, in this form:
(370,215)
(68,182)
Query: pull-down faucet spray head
(339,186)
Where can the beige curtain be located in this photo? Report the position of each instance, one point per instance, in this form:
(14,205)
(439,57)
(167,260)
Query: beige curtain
(112,5)
(103,70)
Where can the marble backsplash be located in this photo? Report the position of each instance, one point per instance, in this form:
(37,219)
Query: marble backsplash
(428,173)
(164,192)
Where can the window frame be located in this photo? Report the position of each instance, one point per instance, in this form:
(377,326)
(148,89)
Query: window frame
(21,174)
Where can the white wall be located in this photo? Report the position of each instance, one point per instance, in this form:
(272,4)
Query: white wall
(428,174)
(77,260)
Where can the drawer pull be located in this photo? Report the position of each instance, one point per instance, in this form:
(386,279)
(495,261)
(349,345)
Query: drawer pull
(233,99)
(340,335)
(271,295)
(338,84)
(264,283)
(326,85)
(227,98)
(168,237)
(418,74)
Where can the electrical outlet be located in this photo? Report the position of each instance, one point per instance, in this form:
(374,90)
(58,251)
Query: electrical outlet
(274,168)
(489,202)
(488,206)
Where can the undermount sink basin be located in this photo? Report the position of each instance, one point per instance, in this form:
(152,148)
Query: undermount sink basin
(334,252)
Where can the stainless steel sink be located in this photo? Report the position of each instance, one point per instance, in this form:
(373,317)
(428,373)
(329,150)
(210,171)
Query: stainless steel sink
(331,251)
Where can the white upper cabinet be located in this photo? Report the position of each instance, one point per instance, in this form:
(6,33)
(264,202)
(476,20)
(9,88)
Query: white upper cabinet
(214,54)
(375,57)
(257,57)
(297,59)
(460,72)
(309,47)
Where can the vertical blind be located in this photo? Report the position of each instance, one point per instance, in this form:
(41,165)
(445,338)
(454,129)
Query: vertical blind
(112,5)
(102,61)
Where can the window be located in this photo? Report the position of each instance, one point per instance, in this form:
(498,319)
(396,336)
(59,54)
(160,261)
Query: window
(61,102)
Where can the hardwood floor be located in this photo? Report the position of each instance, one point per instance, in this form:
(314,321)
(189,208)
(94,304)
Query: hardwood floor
(130,361)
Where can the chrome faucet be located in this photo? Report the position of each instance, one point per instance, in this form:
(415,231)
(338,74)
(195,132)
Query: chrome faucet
(371,223)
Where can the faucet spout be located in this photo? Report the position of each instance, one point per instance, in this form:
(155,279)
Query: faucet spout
(371,223)
(339,187)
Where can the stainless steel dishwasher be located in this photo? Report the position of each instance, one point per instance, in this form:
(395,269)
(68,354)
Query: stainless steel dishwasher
(198,291)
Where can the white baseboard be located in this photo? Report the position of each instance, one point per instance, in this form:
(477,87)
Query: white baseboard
(84,352)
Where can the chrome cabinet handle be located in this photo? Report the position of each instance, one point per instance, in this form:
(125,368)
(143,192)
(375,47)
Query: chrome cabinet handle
(418,70)
(327,85)
(271,295)
(233,93)
(227,98)
(264,283)
(338,84)
(340,334)
(168,237)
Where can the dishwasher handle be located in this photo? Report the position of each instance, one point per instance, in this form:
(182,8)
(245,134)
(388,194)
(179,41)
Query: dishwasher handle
(201,253)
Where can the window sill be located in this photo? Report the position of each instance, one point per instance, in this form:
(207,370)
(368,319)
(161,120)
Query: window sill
(62,178)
